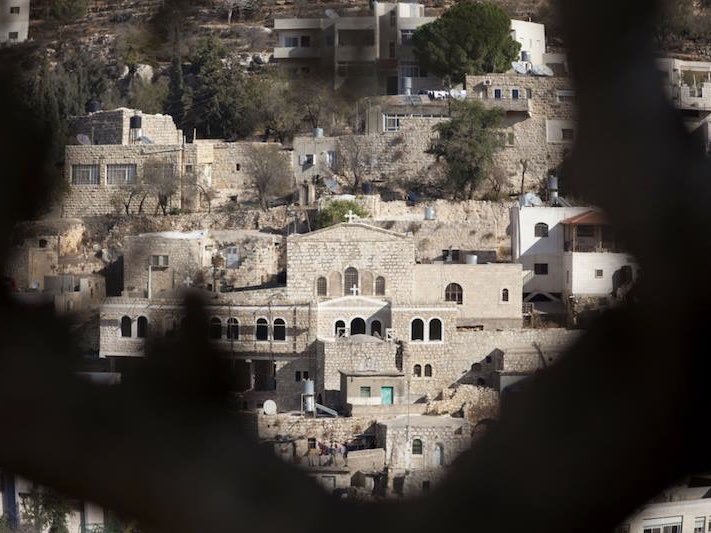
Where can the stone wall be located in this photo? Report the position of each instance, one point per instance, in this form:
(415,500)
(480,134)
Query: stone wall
(474,402)
(112,127)
(353,355)
(329,252)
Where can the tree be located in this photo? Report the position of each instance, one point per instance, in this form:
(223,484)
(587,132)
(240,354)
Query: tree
(469,38)
(270,172)
(159,179)
(354,161)
(223,105)
(45,510)
(66,11)
(177,99)
(467,143)
(336,212)
(280,113)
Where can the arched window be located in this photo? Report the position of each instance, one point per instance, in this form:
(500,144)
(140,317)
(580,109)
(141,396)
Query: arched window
(232,329)
(435,329)
(417,447)
(142,327)
(428,371)
(126,326)
(339,328)
(417,371)
(454,293)
(321,287)
(417,330)
(376,328)
(504,295)
(350,280)
(215,329)
(380,286)
(357,326)
(279,329)
(540,230)
(262,331)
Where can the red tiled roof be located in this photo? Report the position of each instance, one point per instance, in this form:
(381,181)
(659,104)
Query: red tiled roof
(593,218)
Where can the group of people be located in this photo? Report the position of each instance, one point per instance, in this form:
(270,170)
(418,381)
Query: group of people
(333,454)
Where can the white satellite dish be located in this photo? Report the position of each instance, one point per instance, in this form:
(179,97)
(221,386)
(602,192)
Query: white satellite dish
(541,70)
(457,94)
(270,407)
(330,13)
(83,139)
(521,67)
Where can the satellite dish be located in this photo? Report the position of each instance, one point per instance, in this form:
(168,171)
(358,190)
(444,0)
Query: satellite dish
(521,67)
(83,139)
(270,407)
(330,13)
(457,94)
(541,70)
(145,140)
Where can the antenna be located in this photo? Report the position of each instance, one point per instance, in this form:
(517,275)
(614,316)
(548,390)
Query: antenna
(83,139)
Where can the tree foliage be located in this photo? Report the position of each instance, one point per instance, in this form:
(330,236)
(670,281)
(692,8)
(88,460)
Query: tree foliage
(354,161)
(270,172)
(469,38)
(66,11)
(336,212)
(467,143)
(45,510)
(223,101)
(160,180)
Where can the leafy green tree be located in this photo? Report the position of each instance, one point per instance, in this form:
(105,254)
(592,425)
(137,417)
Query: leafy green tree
(467,143)
(178,96)
(222,104)
(469,38)
(336,212)
(45,510)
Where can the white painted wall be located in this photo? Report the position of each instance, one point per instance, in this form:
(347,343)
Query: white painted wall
(662,513)
(581,267)
(532,37)
(14,22)
(528,249)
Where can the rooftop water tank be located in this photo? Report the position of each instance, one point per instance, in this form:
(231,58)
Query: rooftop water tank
(135,122)
(430,213)
(308,386)
(472,259)
(407,85)
(525,55)
(318,133)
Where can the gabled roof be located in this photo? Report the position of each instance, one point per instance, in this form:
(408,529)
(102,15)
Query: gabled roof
(596,218)
(353,229)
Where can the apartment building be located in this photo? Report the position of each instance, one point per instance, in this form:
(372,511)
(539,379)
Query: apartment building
(373,53)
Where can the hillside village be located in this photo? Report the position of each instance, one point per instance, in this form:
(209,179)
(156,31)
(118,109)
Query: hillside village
(371,320)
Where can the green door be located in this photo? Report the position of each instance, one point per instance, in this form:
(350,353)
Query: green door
(386,395)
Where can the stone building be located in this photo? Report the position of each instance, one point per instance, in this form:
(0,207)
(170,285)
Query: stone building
(355,303)
(14,21)
(124,158)
(539,122)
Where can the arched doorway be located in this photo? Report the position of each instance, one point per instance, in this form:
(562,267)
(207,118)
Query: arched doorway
(357,326)
(376,329)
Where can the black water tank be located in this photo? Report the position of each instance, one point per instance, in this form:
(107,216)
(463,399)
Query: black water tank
(93,105)
(135,122)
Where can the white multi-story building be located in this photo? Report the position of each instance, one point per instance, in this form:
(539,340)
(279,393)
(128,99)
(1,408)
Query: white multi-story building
(14,21)
(568,251)
(374,52)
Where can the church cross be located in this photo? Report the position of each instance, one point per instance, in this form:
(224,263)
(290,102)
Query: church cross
(355,291)
(351,216)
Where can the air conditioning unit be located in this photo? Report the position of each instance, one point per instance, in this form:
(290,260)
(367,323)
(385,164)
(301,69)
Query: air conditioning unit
(487,82)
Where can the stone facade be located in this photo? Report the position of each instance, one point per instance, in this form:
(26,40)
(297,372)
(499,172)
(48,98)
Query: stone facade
(539,123)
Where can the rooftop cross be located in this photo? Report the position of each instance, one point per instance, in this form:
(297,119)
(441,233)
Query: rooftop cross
(355,291)
(188,281)
(350,216)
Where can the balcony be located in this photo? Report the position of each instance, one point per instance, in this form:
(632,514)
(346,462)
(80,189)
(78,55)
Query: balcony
(510,105)
(301,23)
(297,52)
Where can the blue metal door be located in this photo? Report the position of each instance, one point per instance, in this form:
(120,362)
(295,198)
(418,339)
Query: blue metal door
(386,395)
